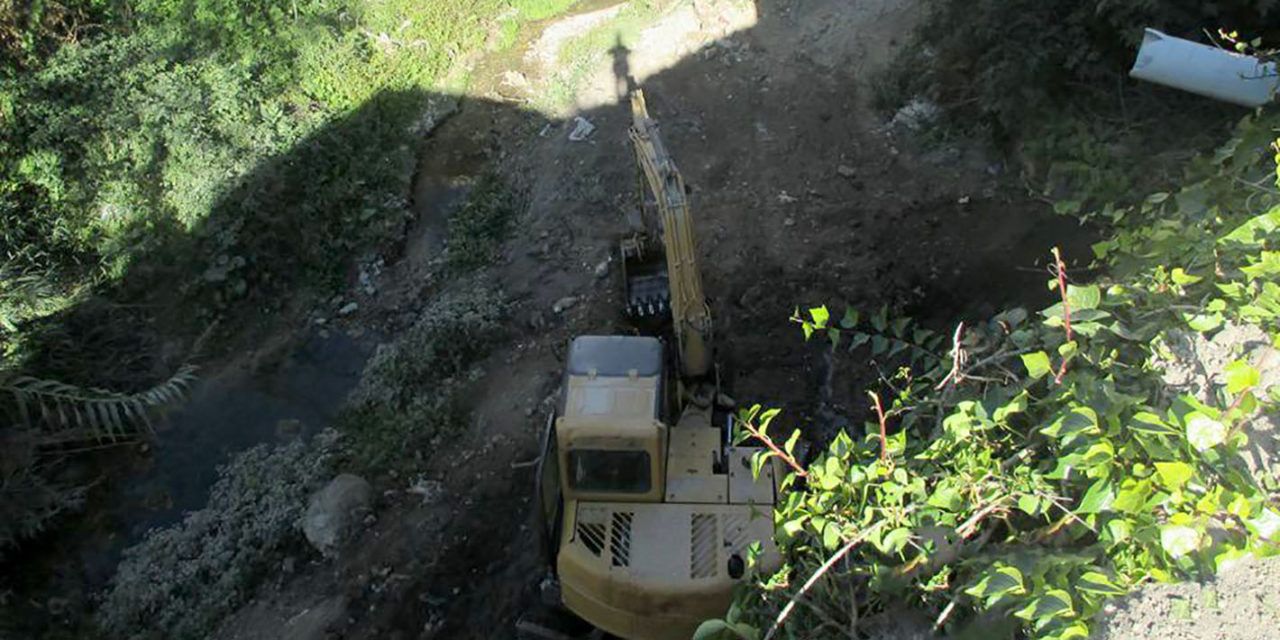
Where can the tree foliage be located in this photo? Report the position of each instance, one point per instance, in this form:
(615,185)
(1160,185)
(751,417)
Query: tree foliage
(1038,465)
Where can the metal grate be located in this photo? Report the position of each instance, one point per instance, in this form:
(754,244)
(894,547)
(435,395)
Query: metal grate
(735,533)
(620,538)
(702,547)
(592,534)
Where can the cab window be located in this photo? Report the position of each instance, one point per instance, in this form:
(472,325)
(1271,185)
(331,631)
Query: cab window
(609,471)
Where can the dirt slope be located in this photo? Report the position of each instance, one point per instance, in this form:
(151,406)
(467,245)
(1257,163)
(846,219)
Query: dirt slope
(801,196)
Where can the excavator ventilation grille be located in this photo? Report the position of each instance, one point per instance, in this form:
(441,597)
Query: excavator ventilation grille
(702,548)
(592,535)
(735,533)
(620,538)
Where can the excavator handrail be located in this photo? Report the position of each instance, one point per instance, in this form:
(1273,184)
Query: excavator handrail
(690,314)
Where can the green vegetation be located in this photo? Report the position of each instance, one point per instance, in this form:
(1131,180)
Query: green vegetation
(1019,472)
(173,163)
(1041,465)
(476,230)
(411,391)
(230,153)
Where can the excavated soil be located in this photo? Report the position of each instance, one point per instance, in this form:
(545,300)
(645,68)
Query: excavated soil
(802,196)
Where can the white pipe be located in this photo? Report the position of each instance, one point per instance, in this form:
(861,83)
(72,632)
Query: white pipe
(1204,70)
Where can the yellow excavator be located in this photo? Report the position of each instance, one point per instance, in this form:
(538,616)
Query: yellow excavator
(647,509)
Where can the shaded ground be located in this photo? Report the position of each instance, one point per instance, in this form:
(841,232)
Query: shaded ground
(801,197)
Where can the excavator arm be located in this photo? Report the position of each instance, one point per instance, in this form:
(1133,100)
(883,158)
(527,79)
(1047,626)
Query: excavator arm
(667,200)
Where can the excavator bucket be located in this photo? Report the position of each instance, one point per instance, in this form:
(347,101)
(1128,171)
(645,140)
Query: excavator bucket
(644,271)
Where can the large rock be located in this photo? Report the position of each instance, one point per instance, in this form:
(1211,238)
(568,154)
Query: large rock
(336,512)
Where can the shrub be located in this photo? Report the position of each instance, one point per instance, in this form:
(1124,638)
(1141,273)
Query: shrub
(477,229)
(409,391)
(181,580)
(1019,476)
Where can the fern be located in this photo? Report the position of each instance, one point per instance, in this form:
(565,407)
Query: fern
(66,413)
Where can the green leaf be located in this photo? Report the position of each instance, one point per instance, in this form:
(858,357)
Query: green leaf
(1074,424)
(1083,298)
(1146,422)
(997,582)
(794,526)
(820,317)
(1053,604)
(1098,498)
(1182,278)
(723,630)
(1029,504)
(1266,525)
(1203,322)
(879,345)
(831,536)
(1037,364)
(881,319)
(832,473)
(758,460)
(1100,583)
(1174,474)
(1253,233)
(790,444)
(1179,540)
(1077,630)
(1240,376)
(850,319)
(895,540)
(1204,432)
(947,498)
(1132,497)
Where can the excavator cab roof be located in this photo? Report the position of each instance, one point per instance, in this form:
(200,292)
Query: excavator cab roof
(615,356)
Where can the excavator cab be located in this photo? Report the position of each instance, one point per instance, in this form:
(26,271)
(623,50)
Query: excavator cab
(648,511)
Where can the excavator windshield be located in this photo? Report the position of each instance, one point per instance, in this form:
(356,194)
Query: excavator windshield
(605,471)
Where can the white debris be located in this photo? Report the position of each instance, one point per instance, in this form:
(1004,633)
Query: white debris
(582,129)
(916,115)
(564,304)
(348,309)
(430,490)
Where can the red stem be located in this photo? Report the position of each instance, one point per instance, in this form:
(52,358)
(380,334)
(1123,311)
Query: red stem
(884,436)
(1066,308)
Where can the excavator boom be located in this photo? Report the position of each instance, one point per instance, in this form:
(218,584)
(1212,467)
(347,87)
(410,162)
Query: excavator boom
(690,315)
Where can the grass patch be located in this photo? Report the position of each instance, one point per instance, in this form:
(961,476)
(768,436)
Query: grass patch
(541,9)
(191,143)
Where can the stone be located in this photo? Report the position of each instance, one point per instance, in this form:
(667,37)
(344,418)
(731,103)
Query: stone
(348,309)
(846,171)
(564,304)
(602,269)
(336,512)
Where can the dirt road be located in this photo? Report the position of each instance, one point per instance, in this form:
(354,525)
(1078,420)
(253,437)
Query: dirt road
(802,196)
